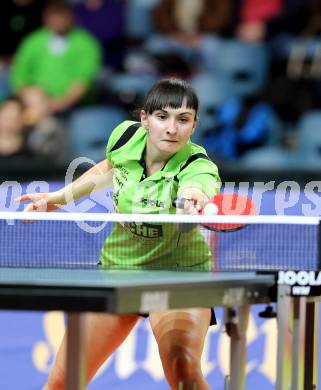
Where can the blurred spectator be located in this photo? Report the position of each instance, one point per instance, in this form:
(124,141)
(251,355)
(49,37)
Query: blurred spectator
(295,18)
(294,38)
(105,19)
(189,29)
(59,58)
(46,134)
(186,20)
(253,17)
(240,126)
(12,130)
(267,19)
(17,19)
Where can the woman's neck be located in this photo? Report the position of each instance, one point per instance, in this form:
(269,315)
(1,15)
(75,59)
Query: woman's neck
(154,160)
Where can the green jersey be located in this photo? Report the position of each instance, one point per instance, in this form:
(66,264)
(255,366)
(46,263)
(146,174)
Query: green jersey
(56,63)
(133,245)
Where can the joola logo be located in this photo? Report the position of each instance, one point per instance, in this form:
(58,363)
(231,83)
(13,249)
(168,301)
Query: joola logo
(300,278)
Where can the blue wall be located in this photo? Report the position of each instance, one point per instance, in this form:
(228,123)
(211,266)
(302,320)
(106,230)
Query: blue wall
(29,340)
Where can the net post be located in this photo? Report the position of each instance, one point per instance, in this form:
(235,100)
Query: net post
(319,247)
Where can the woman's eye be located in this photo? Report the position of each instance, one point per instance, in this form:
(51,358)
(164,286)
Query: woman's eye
(183,120)
(161,116)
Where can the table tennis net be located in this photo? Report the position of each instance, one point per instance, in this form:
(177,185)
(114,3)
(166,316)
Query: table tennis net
(133,241)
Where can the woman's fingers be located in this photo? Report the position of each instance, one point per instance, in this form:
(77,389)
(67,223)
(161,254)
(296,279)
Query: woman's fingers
(195,203)
(40,205)
(194,200)
(32,197)
(37,201)
(191,206)
(29,207)
(200,201)
(22,198)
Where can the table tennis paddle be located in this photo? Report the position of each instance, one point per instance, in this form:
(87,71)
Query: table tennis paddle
(225,204)
(230,204)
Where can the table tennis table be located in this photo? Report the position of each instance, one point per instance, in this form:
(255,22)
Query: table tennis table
(76,291)
(66,277)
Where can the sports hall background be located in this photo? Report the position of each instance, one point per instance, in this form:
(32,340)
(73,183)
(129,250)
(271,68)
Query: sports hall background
(256,67)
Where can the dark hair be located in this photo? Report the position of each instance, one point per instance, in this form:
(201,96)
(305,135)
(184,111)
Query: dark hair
(170,93)
(59,6)
(13,99)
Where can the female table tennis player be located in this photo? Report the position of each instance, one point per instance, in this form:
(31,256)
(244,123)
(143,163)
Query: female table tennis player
(150,163)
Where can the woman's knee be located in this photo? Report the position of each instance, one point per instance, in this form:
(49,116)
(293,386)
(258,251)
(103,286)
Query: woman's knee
(183,363)
(184,370)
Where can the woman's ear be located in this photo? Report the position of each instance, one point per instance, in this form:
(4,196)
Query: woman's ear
(195,124)
(143,119)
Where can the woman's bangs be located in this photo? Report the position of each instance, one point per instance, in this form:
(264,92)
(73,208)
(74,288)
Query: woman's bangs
(167,96)
(171,99)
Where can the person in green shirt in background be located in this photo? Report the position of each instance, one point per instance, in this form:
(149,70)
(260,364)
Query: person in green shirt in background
(59,58)
(150,163)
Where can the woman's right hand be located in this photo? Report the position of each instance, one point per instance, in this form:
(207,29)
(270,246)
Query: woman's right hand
(42,201)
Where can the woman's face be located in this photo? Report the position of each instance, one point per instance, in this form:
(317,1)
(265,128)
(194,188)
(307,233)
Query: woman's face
(11,119)
(169,129)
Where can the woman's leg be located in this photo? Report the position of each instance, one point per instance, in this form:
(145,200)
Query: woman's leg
(180,335)
(104,333)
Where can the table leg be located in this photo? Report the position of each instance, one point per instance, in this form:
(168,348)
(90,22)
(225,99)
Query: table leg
(298,350)
(76,358)
(284,339)
(311,346)
(238,349)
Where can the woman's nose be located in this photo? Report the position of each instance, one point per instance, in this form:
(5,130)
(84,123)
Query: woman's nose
(171,129)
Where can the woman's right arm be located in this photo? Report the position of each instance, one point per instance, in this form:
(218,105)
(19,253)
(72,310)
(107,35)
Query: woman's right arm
(97,177)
